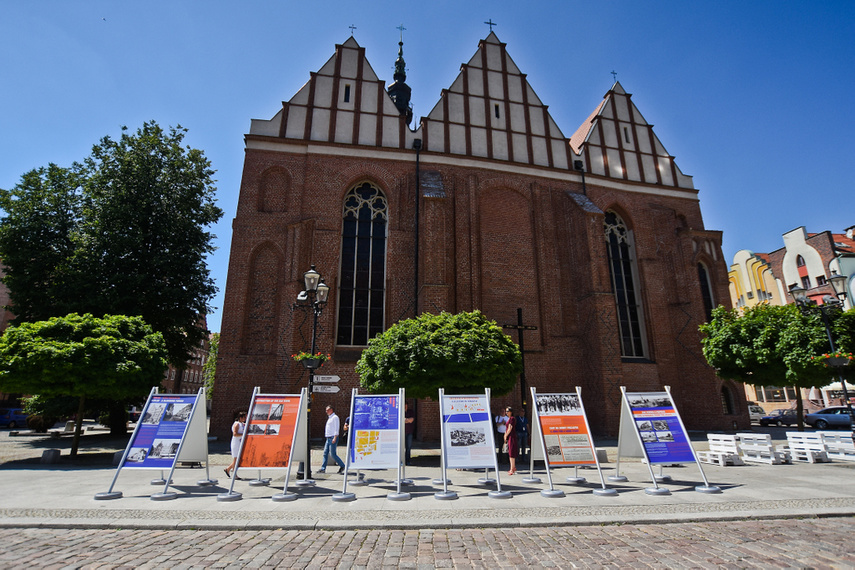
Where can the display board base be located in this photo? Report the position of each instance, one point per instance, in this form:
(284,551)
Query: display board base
(605,492)
(707,489)
(108,496)
(225,497)
(445,496)
(167,496)
(398,496)
(576,480)
(407,482)
(531,480)
(305,482)
(441,482)
(617,478)
(159,482)
(552,493)
(259,482)
(283,497)
(499,494)
(657,491)
(206,482)
(486,481)
(343,497)
(662,478)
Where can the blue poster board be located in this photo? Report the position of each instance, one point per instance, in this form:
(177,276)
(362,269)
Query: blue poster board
(162,425)
(375,437)
(659,427)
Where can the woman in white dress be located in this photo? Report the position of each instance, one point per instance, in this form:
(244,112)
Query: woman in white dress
(237,432)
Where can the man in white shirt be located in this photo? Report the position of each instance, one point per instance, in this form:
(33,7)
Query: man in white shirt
(331,434)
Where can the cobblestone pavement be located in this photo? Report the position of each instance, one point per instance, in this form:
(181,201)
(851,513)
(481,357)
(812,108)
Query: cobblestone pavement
(813,543)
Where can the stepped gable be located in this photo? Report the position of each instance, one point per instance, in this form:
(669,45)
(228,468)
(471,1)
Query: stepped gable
(615,141)
(343,102)
(491,111)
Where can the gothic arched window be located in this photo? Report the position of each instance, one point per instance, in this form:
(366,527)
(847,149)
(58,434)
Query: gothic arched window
(706,290)
(363,266)
(624,276)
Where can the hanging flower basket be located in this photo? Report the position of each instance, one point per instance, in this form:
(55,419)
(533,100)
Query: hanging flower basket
(311,361)
(835,359)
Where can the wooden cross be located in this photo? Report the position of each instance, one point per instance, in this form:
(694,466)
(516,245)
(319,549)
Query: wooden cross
(520,327)
(352,27)
(491,23)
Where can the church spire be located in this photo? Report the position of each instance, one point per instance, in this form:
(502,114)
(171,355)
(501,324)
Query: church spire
(399,91)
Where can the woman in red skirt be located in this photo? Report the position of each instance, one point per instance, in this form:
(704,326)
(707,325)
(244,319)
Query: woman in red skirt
(511,440)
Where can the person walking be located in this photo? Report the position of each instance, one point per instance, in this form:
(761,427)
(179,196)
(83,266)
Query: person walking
(331,434)
(522,432)
(409,429)
(237,432)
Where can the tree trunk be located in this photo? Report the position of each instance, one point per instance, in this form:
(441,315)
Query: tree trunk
(118,419)
(78,426)
(800,409)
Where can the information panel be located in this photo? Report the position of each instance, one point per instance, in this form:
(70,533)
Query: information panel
(655,418)
(270,431)
(375,432)
(468,432)
(162,426)
(565,432)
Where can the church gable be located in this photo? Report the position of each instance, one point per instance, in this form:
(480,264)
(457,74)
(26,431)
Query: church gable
(617,142)
(491,111)
(343,102)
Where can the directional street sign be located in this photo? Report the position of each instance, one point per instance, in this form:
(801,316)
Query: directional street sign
(320,378)
(326,389)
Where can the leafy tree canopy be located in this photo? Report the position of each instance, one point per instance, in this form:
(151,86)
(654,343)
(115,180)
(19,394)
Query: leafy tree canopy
(122,233)
(81,355)
(461,353)
(209,369)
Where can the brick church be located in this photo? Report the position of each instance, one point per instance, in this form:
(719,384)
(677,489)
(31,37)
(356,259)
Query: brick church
(484,204)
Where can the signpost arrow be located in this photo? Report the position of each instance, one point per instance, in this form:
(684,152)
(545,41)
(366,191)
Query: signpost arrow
(330,378)
(325,389)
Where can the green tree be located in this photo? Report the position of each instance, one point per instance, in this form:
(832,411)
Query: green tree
(767,345)
(83,356)
(123,233)
(462,353)
(209,369)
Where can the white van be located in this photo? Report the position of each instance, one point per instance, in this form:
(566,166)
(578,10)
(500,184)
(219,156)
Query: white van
(755,412)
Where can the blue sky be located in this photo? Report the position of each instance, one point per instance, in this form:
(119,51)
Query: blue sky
(752,98)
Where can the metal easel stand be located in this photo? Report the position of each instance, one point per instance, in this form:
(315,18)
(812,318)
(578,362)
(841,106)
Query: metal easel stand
(399,495)
(576,479)
(552,492)
(258,482)
(531,478)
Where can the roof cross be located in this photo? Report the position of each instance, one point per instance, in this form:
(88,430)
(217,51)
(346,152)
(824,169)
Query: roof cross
(402,28)
(614,75)
(491,23)
(352,27)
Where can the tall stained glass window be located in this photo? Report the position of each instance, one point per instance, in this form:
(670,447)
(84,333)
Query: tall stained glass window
(363,266)
(624,276)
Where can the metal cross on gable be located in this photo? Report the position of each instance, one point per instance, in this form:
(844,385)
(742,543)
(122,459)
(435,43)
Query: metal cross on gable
(352,27)
(491,23)
(614,75)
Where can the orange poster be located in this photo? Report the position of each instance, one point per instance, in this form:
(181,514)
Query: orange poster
(565,433)
(270,431)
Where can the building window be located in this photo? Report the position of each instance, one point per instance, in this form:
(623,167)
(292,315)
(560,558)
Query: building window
(496,110)
(806,282)
(726,401)
(363,266)
(706,291)
(624,277)
(820,280)
(347,93)
(800,261)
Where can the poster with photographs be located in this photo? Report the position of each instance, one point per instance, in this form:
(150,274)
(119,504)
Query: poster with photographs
(270,431)
(561,418)
(655,418)
(467,431)
(375,438)
(159,433)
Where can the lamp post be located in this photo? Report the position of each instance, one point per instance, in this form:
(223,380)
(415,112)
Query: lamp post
(315,296)
(805,305)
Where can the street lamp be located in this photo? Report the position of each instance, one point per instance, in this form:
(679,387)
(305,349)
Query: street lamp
(805,305)
(315,296)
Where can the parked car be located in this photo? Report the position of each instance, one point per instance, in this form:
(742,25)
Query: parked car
(755,412)
(835,416)
(781,417)
(134,414)
(12,418)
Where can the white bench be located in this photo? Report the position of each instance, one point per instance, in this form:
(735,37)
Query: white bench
(839,445)
(758,448)
(724,450)
(804,446)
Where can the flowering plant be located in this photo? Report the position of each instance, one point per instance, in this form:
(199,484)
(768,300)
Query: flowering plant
(837,355)
(303,355)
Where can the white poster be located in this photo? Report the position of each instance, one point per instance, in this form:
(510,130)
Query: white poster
(468,432)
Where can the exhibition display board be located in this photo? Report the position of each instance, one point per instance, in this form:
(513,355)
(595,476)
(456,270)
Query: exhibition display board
(467,438)
(172,428)
(376,439)
(651,428)
(563,436)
